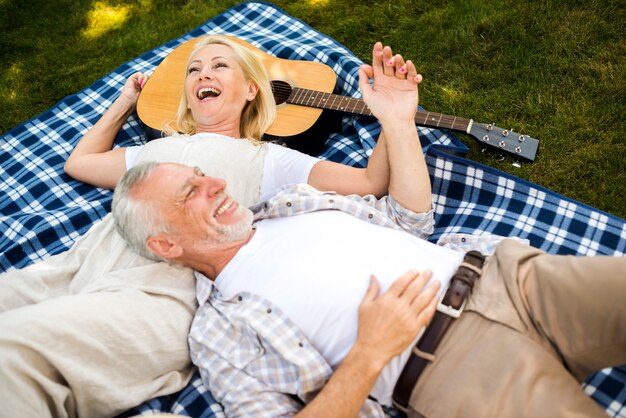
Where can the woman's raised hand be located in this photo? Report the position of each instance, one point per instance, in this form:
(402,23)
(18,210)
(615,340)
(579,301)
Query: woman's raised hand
(133,86)
(394,93)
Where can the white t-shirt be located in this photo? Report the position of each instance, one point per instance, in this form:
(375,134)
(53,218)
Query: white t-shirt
(322,296)
(283,166)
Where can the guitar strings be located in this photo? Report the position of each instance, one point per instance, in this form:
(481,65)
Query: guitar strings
(313,98)
(339,102)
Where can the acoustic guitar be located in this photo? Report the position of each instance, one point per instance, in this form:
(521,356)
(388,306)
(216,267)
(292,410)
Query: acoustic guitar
(302,90)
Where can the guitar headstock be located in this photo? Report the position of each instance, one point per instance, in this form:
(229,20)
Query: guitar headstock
(505,141)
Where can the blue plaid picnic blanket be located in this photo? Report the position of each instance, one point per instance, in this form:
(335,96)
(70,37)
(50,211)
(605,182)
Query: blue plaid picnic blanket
(43,211)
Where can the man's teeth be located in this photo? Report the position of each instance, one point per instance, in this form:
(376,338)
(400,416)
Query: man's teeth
(205,92)
(224,207)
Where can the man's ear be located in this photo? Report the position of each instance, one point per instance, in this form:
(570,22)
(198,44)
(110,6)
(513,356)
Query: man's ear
(253,89)
(164,247)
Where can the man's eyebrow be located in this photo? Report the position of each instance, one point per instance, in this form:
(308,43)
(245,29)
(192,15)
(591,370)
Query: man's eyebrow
(183,191)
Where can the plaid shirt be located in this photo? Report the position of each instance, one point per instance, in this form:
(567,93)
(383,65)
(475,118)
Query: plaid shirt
(254,359)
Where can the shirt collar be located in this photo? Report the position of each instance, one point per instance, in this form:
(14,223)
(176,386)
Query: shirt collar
(204,287)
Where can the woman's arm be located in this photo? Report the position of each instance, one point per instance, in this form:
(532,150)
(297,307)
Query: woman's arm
(92,160)
(393,100)
(346,180)
(397,165)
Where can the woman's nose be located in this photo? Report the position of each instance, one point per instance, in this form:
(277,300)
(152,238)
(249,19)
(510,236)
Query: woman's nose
(206,73)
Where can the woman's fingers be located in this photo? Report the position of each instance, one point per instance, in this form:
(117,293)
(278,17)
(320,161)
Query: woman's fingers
(384,61)
(388,62)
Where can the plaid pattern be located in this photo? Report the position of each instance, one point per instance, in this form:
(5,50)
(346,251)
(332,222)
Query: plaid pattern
(385,212)
(43,211)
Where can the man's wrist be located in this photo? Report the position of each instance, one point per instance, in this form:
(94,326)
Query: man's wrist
(369,359)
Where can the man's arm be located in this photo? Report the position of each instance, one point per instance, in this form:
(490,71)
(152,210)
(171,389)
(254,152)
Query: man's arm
(387,325)
(393,99)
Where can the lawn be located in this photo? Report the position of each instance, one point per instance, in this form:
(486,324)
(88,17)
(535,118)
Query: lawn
(555,70)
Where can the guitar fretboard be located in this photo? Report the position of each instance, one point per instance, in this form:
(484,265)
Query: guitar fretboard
(321,100)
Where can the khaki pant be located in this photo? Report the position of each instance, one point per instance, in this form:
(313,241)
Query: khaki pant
(85,334)
(535,326)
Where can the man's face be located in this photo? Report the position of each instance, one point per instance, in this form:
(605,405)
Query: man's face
(199,212)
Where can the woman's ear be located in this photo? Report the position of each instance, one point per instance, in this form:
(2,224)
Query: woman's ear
(253,89)
(163,247)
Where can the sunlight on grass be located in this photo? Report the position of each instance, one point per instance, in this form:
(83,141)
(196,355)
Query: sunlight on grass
(103,18)
(318,3)
(451,96)
(14,76)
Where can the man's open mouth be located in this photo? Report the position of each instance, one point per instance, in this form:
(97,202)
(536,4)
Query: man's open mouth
(226,204)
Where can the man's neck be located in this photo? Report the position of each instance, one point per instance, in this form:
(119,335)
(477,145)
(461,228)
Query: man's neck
(212,262)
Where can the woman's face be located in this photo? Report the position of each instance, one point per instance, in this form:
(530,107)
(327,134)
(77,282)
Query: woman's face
(216,88)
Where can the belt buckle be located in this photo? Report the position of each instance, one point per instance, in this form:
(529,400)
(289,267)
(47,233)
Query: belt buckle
(450,311)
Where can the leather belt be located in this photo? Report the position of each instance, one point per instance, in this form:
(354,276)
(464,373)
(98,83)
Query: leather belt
(448,310)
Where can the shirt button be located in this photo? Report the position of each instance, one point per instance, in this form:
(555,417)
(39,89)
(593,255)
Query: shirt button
(300,345)
(269,310)
(288,204)
(370,216)
(331,201)
(463,239)
(239,298)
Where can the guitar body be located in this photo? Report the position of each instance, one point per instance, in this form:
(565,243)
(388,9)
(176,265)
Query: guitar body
(159,98)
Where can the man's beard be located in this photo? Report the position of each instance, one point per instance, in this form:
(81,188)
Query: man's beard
(223,235)
(237,231)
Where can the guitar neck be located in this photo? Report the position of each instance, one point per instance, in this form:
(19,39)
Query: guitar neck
(320,100)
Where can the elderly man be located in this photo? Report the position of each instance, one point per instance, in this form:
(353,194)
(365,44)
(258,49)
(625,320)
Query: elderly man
(311,303)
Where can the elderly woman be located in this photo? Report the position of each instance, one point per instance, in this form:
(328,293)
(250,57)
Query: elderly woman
(227,96)
(99,329)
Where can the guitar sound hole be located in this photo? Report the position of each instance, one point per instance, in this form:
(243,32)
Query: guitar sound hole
(281,91)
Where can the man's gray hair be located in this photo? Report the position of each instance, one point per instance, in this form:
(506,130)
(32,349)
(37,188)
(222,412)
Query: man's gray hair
(136,220)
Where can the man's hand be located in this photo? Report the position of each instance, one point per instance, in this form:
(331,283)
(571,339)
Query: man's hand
(388,323)
(394,94)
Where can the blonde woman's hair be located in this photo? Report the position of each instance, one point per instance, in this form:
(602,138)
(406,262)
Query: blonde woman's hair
(257,115)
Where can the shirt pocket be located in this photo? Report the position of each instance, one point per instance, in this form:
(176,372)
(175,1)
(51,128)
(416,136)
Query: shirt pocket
(245,349)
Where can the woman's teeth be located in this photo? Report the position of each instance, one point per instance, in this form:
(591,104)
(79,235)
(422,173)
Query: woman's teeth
(205,92)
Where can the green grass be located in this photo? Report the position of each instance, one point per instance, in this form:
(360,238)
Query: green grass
(555,70)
